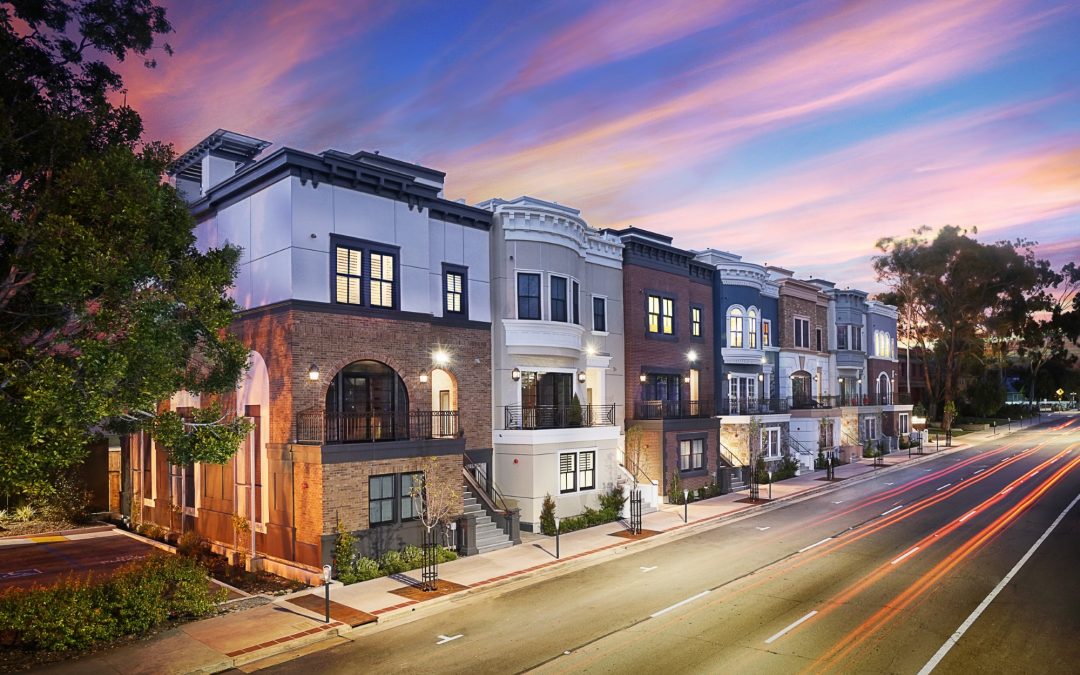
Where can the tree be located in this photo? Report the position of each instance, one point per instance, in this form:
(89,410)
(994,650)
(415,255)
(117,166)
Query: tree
(106,306)
(635,452)
(957,292)
(435,503)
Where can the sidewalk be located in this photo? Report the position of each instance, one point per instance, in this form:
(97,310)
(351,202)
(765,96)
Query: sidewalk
(244,637)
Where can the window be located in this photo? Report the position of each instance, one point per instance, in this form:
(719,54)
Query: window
(654,314)
(802,333)
(587,471)
(599,315)
(819,339)
(381,499)
(735,327)
(668,307)
(905,424)
(454,287)
(692,454)
(574,298)
(770,442)
(382,280)
(695,321)
(841,337)
(409,482)
(567,472)
(856,338)
(558,299)
(348,278)
(752,328)
(766,329)
(528,296)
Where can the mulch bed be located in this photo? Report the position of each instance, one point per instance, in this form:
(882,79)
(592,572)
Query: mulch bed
(442,587)
(627,534)
(832,480)
(338,611)
(748,500)
(249,582)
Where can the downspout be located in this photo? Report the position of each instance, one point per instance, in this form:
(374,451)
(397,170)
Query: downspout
(251,490)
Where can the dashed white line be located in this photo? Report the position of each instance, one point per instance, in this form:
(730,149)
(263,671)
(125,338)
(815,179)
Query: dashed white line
(789,628)
(943,487)
(978,472)
(895,508)
(648,569)
(839,502)
(678,604)
(968,515)
(910,552)
(807,548)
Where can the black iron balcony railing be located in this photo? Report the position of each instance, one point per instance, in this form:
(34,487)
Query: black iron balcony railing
(753,406)
(812,402)
(320,426)
(558,416)
(658,410)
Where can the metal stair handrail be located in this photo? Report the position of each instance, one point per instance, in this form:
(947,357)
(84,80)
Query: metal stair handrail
(483,496)
(728,456)
(489,495)
(799,447)
(637,470)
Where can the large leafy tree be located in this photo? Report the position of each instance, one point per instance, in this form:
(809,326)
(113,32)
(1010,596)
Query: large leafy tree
(106,306)
(959,294)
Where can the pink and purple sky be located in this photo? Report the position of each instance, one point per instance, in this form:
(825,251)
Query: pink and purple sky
(792,133)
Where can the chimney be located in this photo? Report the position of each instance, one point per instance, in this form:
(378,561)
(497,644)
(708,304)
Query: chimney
(212,161)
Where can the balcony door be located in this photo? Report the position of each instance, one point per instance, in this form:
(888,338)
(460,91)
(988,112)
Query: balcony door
(801,393)
(366,401)
(545,398)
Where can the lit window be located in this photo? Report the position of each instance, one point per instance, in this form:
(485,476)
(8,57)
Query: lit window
(587,471)
(669,316)
(692,454)
(766,329)
(382,280)
(654,314)
(348,275)
(455,291)
(752,328)
(695,321)
(735,327)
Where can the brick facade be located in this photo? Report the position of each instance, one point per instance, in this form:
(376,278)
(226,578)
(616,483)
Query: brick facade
(791,307)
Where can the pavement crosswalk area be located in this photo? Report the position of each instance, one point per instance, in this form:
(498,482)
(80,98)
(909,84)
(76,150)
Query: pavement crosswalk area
(43,560)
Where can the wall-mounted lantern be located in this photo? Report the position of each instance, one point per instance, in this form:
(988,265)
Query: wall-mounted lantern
(515,374)
(643,377)
(313,372)
(581,376)
(423,378)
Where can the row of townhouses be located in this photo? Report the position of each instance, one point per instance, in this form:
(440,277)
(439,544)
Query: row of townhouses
(503,348)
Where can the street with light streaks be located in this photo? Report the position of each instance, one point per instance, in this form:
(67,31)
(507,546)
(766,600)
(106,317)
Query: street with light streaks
(964,562)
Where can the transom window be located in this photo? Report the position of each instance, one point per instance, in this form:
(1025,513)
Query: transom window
(735,327)
(695,321)
(528,290)
(692,454)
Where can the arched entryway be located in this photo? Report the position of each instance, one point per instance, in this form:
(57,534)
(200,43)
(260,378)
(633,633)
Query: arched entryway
(884,391)
(366,401)
(802,395)
(444,404)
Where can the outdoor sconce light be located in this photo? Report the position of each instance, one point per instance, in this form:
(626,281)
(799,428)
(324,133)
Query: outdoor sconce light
(686,379)
(515,374)
(313,372)
(581,376)
(423,378)
(440,357)
(764,360)
(858,381)
(643,377)
(729,376)
(760,377)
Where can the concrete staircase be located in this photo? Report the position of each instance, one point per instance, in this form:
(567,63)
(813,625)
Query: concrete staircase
(737,483)
(489,537)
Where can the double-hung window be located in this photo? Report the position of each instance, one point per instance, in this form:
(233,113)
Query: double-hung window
(364,274)
(381,499)
(752,328)
(695,321)
(735,327)
(382,280)
(567,472)
(770,442)
(667,306)
(412,485)
(558,299)
(574,292)
(692,454)
(802,333)
(841,337)
(455,285)
(599,315)
(819,340)
(856,338)
(653,312)
(766,329)
(349,277)
(586,470)
(528,290)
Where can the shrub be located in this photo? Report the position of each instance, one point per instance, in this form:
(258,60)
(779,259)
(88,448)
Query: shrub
(25,513)
(64,497)
(547,516)
(344,560)
(611,503)
(393,563)
(762,471)
(573,414)
(191,545)
(786,469)
(444,554)
(366,568)
(413,556)
(675,495)
(79,612)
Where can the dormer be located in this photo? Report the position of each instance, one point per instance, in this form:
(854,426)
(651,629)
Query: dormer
(212,161)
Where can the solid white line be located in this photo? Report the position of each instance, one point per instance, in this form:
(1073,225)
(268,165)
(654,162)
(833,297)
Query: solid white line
(678,604)
(895,508)
(911,552)
(943,487)
(813,545)
(978,472)
(789,628)
(955,637)
(968,515)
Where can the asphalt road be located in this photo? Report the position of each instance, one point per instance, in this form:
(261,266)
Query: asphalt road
(874,576)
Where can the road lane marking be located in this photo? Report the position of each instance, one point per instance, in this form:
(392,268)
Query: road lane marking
(789,628)
(943,487)
(1006,490)
(678,604)
(978,472)
(763,528)
(895,508)
(839,502)
(444,639)
(890,483)
(807,548)
(955,637)
(911,552)
(648,569)
(968,515)
(18,574)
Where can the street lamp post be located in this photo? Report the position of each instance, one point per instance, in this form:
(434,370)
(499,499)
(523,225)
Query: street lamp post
(770,486)
(326,584)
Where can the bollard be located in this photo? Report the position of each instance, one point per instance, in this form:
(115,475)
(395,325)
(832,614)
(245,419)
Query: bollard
(557,530)
(326,585)
(686,506)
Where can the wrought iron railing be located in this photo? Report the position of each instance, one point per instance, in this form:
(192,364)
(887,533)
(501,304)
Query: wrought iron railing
(320,426)
(812,402)
(658,410)
(753,406)
(558,416)
(728,456)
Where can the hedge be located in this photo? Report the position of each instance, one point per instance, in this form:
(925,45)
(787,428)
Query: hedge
(79,612)
(361,568)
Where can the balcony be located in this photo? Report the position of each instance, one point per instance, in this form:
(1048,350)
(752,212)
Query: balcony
(753,406)
(812,402)
(322,427)
(659,410)
(558,416)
